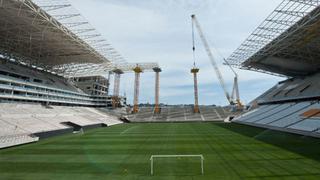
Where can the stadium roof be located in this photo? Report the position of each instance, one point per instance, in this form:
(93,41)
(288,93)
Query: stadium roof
(286,44)
(31,35)
(81,70)
(52,35)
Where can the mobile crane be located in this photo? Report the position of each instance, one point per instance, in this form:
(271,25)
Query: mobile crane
(234,98)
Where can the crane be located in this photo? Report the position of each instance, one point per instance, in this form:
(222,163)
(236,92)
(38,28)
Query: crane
(234,98)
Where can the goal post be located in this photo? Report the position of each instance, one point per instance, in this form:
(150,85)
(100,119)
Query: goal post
(200,156)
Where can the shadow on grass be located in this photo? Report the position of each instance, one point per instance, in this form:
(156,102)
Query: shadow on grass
(303,145)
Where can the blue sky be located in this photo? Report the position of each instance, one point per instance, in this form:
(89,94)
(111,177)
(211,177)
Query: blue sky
(160,31)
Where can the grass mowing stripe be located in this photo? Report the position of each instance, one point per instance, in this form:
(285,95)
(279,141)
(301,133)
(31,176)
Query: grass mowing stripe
(231,151)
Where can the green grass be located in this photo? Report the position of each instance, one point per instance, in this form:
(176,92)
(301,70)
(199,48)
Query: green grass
(231,151)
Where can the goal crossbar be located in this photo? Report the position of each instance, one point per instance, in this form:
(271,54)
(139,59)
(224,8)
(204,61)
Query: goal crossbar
(176,156)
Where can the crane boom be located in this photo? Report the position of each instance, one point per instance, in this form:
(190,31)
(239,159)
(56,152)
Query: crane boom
(212,60)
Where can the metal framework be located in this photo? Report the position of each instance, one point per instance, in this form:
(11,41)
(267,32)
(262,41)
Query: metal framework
(285,26)
(52,36)
(30,35)
(68,16)
(80,70)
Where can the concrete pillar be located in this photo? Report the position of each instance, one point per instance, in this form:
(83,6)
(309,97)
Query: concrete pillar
(195,71)
(137,70)
(116,88)
(157,89)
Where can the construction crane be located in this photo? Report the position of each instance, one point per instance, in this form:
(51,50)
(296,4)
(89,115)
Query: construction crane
(234,98)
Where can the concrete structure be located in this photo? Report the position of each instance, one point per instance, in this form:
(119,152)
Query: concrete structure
(182,114)
(294,117)
(57,64)
(116,88)
(66,47)
(93,85)
(23,83)
(25,123)
(195,71)
(157,89)
(286,44)
(137,70)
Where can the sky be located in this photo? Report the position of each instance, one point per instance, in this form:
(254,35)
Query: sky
(160,31)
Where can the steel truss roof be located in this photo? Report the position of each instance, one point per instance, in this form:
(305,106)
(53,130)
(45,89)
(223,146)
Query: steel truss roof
(30,35)
(53,36)
(82,70)
(289,33)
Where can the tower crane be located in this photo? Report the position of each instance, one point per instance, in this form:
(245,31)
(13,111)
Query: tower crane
(234,98)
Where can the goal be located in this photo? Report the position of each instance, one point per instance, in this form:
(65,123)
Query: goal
(153,157)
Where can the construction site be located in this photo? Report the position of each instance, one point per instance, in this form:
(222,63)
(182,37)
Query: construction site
(72,106)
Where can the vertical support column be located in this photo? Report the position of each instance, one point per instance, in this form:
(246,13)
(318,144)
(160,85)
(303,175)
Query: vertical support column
(195,71)
(108,83)
(137,70)
(116,89)
(157,89)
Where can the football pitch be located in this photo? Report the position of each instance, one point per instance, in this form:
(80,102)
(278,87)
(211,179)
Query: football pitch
(230,151)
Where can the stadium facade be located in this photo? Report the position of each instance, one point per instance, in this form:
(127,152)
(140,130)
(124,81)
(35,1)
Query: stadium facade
(54,73)
(286,44)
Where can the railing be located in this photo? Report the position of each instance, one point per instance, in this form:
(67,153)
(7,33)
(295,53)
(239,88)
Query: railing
(36,92)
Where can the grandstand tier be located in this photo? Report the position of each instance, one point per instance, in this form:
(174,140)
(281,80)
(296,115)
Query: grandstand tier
(22,83)
(295,117)
(285,44)
(182,114)
(293,89)
(25,123)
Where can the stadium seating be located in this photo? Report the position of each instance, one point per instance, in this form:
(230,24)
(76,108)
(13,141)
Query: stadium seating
(40,77)
(181,114)
(176,113)
(161,117)
(20,123)
(292,89)
(289,117)
(210,113)
(283,107)
(191,116)
(18,82)
(13,140)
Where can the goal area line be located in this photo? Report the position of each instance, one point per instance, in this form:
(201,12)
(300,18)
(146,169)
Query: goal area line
(200,156)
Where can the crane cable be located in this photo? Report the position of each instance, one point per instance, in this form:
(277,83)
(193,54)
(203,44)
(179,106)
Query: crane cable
(218,52)
(193,45)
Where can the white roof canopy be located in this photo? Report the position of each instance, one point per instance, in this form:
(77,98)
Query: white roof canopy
(52,35)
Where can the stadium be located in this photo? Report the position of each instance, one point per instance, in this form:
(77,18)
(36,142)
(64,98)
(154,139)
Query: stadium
(63,116)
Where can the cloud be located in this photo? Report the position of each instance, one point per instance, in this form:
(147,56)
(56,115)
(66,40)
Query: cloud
(160,31)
